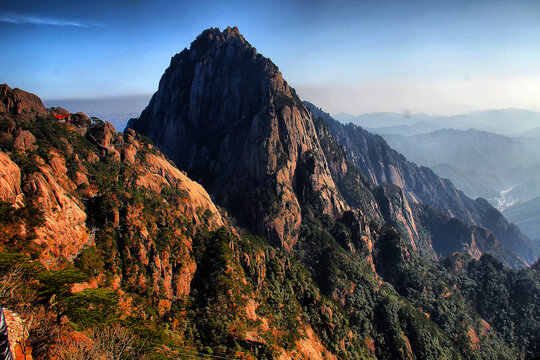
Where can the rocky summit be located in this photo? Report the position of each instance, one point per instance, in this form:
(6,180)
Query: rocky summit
(231,220)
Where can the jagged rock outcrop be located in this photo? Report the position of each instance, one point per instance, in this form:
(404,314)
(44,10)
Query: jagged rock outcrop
(224,114)
(508,233)
(397,212)
(383,204)
(161,172)
(25,141)
(382,165)
(45,182)
(64,232)
(19,102)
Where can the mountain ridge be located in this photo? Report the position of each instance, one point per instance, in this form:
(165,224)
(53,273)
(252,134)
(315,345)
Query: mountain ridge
(384,165)
(523,214)
(502,169)
(501,121)
(263,143)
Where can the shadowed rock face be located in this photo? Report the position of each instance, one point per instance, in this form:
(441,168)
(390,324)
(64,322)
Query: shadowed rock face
(386,166)
(225,115)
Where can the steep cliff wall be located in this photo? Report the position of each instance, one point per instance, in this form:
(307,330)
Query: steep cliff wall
(224,114)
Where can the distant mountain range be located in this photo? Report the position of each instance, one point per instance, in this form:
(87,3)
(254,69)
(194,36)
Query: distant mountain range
(504,121)
(534,132)
(420,127)
(501,168)
(468,149)
(383,165)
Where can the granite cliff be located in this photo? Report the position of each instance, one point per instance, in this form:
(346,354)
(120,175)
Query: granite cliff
(225,114)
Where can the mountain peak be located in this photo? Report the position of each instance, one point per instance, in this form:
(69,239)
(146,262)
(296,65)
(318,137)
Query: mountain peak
(225,115)
(215,32)
(215,38)
(232,31)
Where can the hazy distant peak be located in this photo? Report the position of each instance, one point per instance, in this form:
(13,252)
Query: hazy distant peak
(501,121)
(343,116)
(534,132)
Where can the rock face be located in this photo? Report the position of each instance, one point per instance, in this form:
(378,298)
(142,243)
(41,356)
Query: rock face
(19,102)
(508,233)
(396,211)
(25,141)
(10,181)
(383,165)
(45,182)
(225,115)
(64,232)
(161,172)
(90,187)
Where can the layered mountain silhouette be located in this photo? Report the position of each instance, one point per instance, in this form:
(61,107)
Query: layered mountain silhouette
(504,170)
(484,163)
(526,215)
(500,121)
(383,165)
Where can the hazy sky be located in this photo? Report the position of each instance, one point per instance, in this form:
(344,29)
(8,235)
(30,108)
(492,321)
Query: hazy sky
(422,56)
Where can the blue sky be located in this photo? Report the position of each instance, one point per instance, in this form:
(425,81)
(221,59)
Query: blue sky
(439,57)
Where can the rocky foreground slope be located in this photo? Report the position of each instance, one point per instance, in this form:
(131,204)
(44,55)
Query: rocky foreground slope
(158,268)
